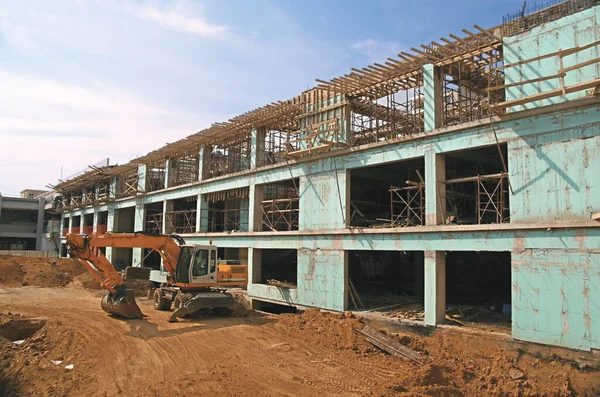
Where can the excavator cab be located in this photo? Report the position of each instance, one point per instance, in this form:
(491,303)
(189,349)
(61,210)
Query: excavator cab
(197,264)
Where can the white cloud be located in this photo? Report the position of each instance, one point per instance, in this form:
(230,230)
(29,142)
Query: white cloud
(181,17)
(46,124)
(375,50)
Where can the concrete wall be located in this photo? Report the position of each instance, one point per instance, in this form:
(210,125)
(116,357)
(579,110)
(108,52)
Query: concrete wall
(556,297)
(575,30)
(323,200)
(554,169)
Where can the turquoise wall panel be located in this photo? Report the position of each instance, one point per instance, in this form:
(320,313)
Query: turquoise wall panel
(323,201)
(556,297)
(321,278)
(574,30)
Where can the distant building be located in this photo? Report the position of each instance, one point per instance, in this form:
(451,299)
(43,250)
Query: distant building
(31,193)
(21,223)
(29,222)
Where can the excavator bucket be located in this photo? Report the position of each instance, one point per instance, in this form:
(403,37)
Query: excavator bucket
(122,303)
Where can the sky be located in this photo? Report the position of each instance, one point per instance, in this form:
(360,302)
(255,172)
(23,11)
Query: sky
(83,80)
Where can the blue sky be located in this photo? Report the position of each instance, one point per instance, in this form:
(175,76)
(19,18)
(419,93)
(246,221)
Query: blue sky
(88,79)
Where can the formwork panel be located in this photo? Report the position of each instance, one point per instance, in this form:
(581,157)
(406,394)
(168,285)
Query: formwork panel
(555,297)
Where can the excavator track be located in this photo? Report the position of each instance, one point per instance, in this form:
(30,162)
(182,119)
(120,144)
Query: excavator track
(122,303)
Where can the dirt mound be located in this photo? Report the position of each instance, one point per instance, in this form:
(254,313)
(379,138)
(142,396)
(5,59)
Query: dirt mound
(87,281)
(17,271)
(336,330)
(27,369)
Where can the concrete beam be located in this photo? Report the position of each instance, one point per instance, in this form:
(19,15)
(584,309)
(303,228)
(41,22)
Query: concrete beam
(435,287)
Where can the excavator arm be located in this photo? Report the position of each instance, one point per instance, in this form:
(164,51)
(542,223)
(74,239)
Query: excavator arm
(120,299)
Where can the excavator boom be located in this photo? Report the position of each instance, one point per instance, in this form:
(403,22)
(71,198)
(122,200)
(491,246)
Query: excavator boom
(119,300)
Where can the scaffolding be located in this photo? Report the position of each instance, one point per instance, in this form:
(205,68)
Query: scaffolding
(127,184)
(469,87)
(321,124)
(184,167)
(155,175)
(490,198)
(398,113)
(227,159)
(181,222)
(154,221)
(540,13)
(103,192)
(277,145)
(407,205)
(228,210)
(281,207)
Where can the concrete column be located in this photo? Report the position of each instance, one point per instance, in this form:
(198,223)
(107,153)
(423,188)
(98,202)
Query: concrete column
(110,227)
(432,89)
(254,208)
(435,287)
(1,206)
(201,214)
(435,188)
(70,223)
(95,224)
(419,272)
(113,187)
(254,265)
(138,226)
(204,162)
(142,177)
(168,173)
(257,147)
(111,220)
(39,230)
(244,215)
(97,192)
(167,207)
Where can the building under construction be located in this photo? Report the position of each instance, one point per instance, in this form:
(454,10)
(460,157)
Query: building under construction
(458,182)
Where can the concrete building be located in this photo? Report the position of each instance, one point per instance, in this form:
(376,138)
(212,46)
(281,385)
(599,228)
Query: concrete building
(32,193)
(21,223)
(463,174)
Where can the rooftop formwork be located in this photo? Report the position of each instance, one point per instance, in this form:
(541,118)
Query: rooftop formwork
(461,174)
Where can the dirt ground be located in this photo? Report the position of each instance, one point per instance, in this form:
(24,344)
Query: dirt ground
(247,354)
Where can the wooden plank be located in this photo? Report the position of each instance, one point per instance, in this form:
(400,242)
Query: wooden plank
(281,284)
(548,94)
(579,65)
(499,87)
(389,345)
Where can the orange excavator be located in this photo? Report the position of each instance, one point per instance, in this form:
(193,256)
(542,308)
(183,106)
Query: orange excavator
(196,280)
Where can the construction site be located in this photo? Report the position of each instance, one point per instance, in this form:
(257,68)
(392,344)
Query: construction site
(428,225)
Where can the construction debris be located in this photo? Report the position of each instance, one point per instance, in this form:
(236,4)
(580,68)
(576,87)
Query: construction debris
(281,284)
(390,346)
